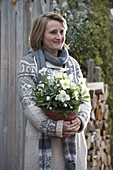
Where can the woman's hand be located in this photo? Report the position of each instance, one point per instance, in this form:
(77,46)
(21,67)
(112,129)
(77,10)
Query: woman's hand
(71,127)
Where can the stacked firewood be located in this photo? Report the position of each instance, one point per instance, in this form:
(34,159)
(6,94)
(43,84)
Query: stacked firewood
(97,135)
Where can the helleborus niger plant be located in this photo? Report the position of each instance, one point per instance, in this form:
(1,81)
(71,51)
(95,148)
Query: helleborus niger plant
(59,92)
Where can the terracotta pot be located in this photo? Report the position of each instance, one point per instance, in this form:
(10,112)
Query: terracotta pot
(59,116)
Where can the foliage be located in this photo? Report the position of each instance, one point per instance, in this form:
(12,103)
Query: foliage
(89,32)
(90,35)
(58,92)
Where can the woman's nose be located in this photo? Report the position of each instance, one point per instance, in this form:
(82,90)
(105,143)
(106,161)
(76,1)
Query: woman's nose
(59,35)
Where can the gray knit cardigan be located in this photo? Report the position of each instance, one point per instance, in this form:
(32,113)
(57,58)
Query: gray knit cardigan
(38,121)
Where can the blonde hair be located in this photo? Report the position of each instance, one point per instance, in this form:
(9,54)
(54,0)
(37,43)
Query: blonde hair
(38,28)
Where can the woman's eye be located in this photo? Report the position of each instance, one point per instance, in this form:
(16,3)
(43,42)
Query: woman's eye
(53,32)
(57,32)
(62,32)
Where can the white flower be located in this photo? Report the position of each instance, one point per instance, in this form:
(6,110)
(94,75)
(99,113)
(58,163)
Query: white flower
(58,85)
(50,80)
(41,85)
(65,104)
(83,86)
(76,95)
(43,71)
(62,69)
(71,107)
(48,77)
(48,98)
(82,82)
(29,86)
(57,97)
(50,108)
(63,96)
(65,76)
(65,84)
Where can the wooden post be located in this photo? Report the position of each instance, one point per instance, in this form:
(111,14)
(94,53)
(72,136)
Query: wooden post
(90,77)
(97,74)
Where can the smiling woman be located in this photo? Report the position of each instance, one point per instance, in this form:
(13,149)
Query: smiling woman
(57,84)
(54,37)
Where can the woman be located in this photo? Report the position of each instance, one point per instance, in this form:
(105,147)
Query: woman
(49,144)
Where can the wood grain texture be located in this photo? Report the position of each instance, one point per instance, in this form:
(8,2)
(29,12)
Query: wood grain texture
(15,25)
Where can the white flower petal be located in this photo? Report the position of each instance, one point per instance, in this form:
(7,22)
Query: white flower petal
(63,96)
(48,98)
(43,71)
(65,84)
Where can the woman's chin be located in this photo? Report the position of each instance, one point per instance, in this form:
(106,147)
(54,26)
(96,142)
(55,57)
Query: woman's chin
(59,48)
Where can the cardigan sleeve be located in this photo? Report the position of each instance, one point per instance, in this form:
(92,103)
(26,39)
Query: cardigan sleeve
(27,76)
(85,108)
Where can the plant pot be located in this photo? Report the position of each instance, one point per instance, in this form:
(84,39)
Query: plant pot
(54,115)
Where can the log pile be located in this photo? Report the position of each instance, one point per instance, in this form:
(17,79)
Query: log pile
(97,136)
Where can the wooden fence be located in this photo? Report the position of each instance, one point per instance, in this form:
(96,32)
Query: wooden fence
(15,21)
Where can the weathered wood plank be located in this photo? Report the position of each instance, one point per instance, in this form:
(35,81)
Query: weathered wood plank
(4,83)
(97,74)
(11,88)
(98,87)
(19,136)
(90,77)
(26,26)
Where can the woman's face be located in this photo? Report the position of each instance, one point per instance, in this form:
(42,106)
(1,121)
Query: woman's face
(54,36)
